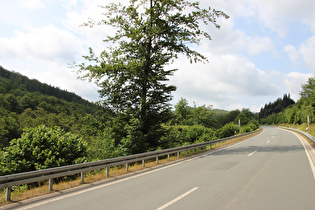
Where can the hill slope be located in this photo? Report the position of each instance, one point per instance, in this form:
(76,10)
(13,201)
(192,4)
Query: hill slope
(27,102)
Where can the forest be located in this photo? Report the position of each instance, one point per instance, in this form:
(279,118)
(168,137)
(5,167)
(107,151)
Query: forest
(286,111)
(43,126)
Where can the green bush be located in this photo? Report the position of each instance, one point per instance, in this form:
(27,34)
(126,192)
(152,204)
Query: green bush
(228,129)
(41,148)
(185,135)
(250,127)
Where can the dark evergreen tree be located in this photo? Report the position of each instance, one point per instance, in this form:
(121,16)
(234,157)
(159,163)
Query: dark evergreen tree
(276,107)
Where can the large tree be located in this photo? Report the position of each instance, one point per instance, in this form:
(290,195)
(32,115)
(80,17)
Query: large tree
(149,35)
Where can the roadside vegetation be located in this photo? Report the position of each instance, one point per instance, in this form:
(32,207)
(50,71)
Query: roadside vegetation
(43,126)
(25,192)
(61,133)
(40,123)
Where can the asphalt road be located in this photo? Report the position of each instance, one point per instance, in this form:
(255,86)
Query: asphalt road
(269,171)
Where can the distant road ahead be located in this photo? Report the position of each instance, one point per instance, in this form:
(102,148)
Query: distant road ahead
(269,171)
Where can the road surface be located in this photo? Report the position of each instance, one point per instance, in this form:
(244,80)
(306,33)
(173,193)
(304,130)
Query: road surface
(269,171)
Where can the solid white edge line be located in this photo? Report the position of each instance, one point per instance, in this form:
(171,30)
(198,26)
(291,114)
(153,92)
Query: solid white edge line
(177,199)
(308,155)
(309,158)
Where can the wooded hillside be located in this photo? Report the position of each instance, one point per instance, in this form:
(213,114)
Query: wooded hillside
(27,102)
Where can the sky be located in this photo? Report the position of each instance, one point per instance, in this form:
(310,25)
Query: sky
(264,50)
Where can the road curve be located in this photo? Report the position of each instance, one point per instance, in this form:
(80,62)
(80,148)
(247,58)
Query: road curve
(269,171)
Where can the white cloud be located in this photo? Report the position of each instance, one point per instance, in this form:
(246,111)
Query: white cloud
(32,4)
(225,40)
(257,45)
(293,53)
(307,51)
(277,15)
(293,82)
(230,40)
(47,43)
(222,82)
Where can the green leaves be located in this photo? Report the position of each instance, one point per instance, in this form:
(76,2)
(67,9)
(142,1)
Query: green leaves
(41,148)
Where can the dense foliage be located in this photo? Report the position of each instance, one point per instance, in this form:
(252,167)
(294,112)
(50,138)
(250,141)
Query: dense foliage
(41,148)
(200,124)
(292,113)
(29,103)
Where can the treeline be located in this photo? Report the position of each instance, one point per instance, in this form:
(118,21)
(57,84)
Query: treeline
(10,81)
(200,124)
(285,111)
(41,127)
(277,106)
(186,125)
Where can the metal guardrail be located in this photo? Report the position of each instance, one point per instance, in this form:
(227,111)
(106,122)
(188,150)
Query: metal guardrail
(302,132)
(49,174)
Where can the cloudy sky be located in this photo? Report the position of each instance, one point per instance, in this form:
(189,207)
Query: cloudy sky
(265,49)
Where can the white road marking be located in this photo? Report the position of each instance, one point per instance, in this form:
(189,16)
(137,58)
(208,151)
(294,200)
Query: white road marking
(252,153)
(177,199)
(98,187)
(268,142)
(307,154)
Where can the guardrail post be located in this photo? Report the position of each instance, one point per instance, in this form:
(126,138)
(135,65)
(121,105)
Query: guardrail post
(168,156)
(82,177)
(8,194)
(127,166)
(186,152)
(193,150)
(157,160)
(107,172)
(143,163)
(177,155)
(50,185)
